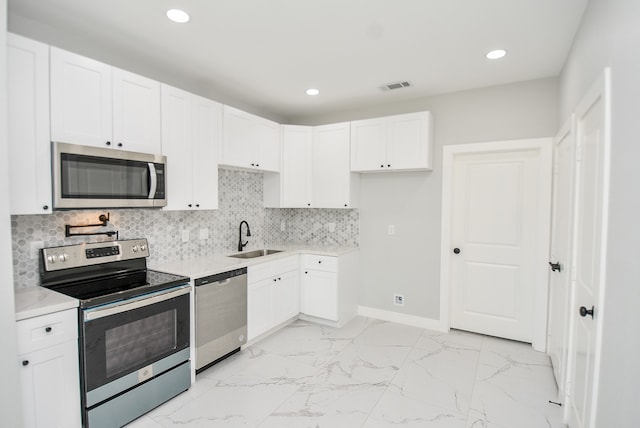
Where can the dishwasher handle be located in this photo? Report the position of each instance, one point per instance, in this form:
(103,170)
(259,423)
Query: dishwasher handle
(220,278)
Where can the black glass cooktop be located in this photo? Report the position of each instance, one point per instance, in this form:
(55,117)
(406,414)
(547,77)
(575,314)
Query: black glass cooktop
(98,285)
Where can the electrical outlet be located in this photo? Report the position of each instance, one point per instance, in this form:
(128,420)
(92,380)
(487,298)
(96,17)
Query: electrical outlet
(282,226)
(398,299)
(391,229)
(203,233)
(331,227)
(185,235)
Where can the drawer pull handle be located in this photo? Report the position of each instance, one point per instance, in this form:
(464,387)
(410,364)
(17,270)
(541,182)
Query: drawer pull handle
(25,362)
(48,329)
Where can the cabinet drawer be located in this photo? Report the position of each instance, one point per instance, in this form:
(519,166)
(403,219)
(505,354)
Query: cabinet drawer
(324,263)
(47,330)
(266,270)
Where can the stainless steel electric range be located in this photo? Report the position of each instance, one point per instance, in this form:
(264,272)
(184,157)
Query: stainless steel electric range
(133,327)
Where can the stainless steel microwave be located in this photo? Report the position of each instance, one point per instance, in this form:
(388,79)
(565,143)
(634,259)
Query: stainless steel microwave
(94,177)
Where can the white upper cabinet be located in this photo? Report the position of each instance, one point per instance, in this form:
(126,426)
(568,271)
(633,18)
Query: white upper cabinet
(136,112)
(297,143)
(250,142)
(191,132)
(80,99)
(95,104)
(315,169)
(28,125)
(333,184)
(394,143)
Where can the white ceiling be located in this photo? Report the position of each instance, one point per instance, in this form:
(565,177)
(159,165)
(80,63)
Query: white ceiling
(266,53)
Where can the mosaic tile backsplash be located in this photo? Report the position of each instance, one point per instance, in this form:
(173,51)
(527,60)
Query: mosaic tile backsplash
(240,198)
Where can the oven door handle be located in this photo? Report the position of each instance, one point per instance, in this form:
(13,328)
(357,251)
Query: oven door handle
(127,305)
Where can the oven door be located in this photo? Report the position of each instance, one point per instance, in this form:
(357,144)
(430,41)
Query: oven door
(130,342)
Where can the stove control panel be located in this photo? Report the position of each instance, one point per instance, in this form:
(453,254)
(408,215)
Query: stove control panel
(71,256)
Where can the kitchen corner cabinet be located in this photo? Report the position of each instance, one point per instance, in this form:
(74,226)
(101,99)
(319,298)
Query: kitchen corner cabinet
(292,187)
(28,125)
(329,287)
(394,143)
(95,104)
(249,142)
(332,184)
(49,370)
(315,169)
(272,295)
(191,132)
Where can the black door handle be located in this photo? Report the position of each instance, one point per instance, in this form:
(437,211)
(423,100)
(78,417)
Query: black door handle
(456,250)
(584,311)
(555,266)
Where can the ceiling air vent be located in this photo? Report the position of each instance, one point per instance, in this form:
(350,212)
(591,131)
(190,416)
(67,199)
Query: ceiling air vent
(395,85)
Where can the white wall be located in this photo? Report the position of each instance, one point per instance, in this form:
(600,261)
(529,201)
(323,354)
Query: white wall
(610,36)
(409,262)
(9,388)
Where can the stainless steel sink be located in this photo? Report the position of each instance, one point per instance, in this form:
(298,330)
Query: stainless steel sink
(255,253)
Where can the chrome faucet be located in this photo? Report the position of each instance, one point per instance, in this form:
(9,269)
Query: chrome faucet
(240,244)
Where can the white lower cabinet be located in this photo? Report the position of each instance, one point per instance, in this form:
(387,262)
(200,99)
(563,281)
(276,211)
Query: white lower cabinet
(320,294)
(329,286)
(49,370)
(273,296)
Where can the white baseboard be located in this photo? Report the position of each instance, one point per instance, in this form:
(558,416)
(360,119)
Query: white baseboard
(412,320)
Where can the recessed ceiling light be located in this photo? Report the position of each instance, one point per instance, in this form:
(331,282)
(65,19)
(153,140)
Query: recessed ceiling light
(312,91)
(177,15)
(497,54)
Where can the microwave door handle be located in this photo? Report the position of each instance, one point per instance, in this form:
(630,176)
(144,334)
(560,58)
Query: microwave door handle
(153,180)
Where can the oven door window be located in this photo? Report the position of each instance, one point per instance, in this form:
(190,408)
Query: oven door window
(122,343)
(90,177)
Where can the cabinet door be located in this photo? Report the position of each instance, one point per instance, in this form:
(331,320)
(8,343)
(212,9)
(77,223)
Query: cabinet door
(177,147)
(296,166)
(369,145)
(286,299)
(207,131)
(50,386)
(259,308)
(237,139)
(28,125)
(136,112)
(267,141)
(80,100)
(320,294)
(409,137)
(331,186)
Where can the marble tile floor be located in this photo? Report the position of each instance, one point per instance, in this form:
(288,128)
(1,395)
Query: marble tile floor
(369,374)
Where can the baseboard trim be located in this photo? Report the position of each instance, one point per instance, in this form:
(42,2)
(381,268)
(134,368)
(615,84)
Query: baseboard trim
(412,320)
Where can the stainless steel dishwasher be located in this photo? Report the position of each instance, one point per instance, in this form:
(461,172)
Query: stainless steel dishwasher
(221,316)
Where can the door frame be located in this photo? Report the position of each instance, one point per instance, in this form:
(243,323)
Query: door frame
(541,294)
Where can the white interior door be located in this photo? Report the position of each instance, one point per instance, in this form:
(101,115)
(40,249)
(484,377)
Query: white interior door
(592,183)
(499,232)
(560,254)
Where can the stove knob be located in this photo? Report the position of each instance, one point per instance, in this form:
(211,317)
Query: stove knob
(135,249)
(51,259)
(63,257)
(143,247)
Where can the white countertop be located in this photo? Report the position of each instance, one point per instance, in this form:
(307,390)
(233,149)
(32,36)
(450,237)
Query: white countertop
(36,301)
(199,267)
